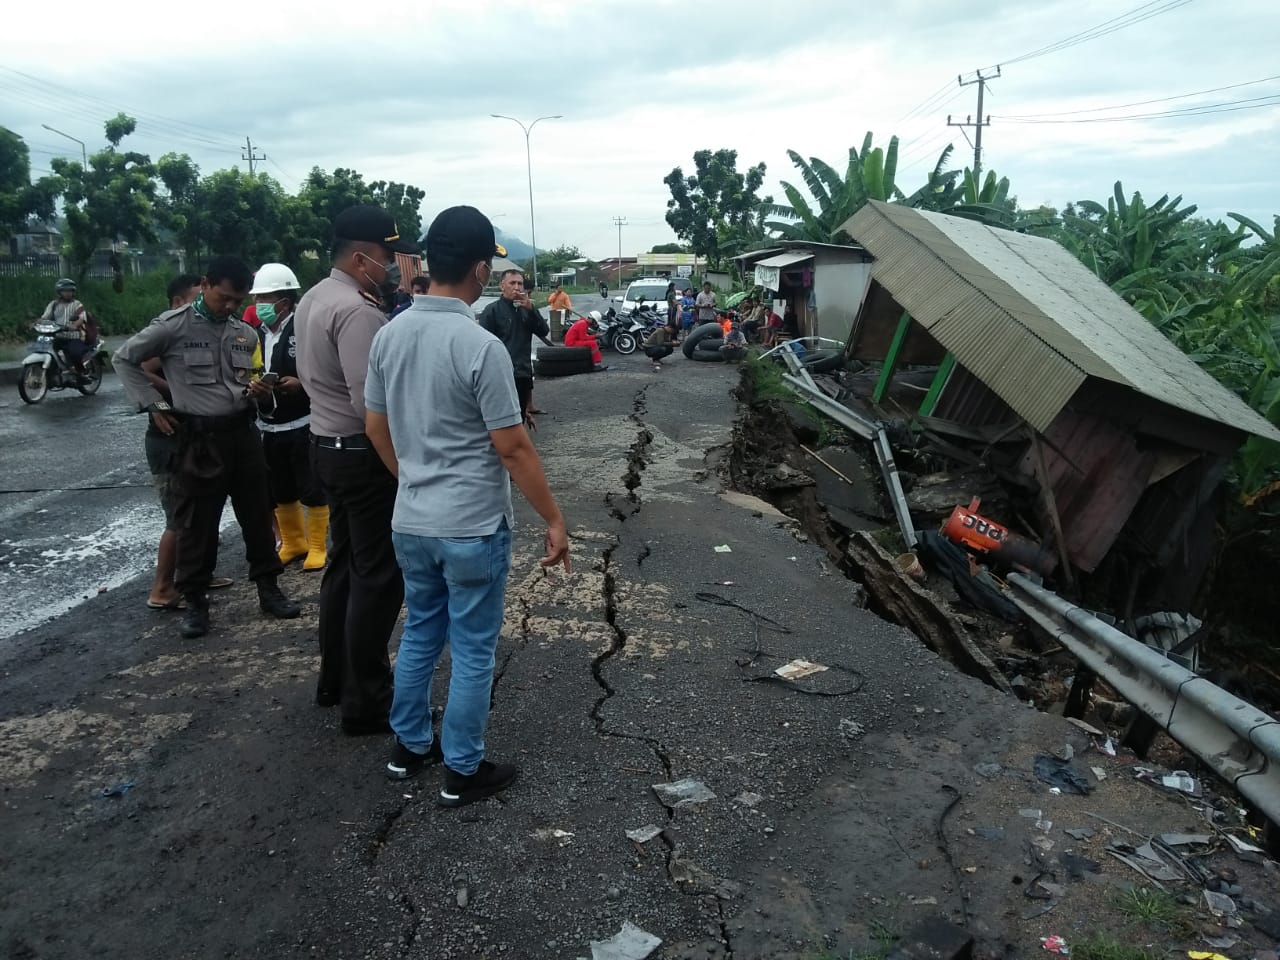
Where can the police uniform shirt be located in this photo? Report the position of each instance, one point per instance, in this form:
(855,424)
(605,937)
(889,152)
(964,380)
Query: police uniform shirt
(207,364)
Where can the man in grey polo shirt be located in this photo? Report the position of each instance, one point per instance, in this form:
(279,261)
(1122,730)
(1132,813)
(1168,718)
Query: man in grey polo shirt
(361,593)
(441,410)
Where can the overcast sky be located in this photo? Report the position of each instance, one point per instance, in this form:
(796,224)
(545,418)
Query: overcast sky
(404,92)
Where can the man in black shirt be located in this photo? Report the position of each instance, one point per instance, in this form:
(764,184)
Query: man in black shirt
(515,321)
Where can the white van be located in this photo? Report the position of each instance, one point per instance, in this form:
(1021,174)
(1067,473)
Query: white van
(654,292)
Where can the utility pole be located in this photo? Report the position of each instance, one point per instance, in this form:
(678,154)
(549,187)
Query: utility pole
(982,121)
(249,155)
(619,222)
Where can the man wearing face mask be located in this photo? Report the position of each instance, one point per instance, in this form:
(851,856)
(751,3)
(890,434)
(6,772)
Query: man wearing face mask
(210,360)
(362,589)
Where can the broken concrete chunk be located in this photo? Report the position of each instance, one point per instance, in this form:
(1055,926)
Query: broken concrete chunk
(1086,727)
(724,548)
(1098,773)
(799,668)
(629,943)
(644,834)
(748,799)
(1079,833)
(988,770)
(1244,850)
(1184,839)
(683,793)
(850,729)
(552,833)
(1066,753)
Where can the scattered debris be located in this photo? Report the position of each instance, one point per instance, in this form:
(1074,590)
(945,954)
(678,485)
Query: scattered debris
(1219,904)
(644,834)
(1205,955)
(724,548)
(1042,843)
(683,793)
(1058,773)
(922,901)
(1055,944)
(851,729)
(1066,753)
(799,668)
(1030,813)
(1079,833)
(1244,850)
(1181,781)
(629,943)
(908,564)
(1086,727)
(990,833)
(552,833)
(1077,867)
(1098,773)
(748,799)
(1108,747)
(988,770)
(1222,943)
(1185,839)
(119,790)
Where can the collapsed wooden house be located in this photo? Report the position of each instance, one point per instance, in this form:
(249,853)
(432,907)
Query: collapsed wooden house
(1127,438)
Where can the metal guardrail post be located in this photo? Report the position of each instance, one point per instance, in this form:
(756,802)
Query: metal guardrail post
(1235,739)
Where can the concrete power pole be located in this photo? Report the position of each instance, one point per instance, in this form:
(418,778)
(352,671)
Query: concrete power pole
(982,121)
(249,155)
(620,222)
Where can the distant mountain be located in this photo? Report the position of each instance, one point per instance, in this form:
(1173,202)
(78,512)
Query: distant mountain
(517,249)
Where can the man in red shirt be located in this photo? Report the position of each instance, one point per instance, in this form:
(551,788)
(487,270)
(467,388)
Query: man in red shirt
(579,334)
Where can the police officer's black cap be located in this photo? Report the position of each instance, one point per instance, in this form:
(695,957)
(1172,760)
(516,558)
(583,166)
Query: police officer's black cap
(368,224)
(462,235)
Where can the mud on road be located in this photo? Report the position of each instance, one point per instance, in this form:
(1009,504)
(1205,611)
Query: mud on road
(241,824)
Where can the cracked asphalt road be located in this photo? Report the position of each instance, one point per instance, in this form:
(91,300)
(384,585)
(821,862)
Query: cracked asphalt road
(250,828)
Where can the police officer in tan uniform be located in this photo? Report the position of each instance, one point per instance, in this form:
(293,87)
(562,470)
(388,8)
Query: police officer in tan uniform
(211,361)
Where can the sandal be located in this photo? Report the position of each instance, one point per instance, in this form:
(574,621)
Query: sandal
(176,604)
(218,583)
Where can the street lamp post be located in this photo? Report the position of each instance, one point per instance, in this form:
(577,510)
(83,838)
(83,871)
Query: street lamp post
(84,154)
(528,160)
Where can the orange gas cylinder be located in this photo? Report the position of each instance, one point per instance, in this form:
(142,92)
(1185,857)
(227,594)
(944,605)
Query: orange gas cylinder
(970,529)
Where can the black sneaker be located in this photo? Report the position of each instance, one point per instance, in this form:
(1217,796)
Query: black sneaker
(405,763)
(489,778)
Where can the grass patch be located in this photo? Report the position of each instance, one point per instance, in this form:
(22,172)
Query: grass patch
(889,538)
(1103,946)
(766,384)
(883,939)
(1148,905)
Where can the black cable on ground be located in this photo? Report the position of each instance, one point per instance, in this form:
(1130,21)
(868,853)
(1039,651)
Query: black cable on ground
(945,847)
(756,653)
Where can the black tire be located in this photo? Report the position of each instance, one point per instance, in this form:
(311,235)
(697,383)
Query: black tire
(708,356)
(90,382)
(624,343)
(823,361)
(564,354)
(542,368)
(699,333)
(34,385)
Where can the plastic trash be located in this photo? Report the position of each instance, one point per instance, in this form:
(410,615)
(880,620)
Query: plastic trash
(1059,773)
(1219,904)
(119,790)
(724,548)
(629,943)
(799,668)
(1181,781)
(1055,944)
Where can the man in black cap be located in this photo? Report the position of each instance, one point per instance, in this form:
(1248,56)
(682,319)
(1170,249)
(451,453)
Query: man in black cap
(362,590)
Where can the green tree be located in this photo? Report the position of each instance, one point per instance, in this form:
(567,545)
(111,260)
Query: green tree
(112,200)
(329,194)
(669,248)
(20,199)
(717,211)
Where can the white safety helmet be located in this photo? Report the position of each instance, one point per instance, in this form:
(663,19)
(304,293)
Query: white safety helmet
(595,315)
(272,277)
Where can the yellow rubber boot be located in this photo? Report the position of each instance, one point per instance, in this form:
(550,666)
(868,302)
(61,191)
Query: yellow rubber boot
(317,534)
(293,539)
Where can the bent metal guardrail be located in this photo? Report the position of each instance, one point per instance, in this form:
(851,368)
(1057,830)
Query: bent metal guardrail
(1237,740)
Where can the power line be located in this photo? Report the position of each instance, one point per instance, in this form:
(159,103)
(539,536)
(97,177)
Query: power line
(1227,106)
(1139,14)
(1143,103)
(923,104)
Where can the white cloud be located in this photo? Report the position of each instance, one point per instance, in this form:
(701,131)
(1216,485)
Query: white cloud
(405,93)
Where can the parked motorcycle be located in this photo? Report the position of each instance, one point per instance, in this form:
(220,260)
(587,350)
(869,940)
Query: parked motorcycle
(46,368)
(619,333)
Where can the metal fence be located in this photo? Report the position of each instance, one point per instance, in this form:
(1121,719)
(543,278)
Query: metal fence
(53,265)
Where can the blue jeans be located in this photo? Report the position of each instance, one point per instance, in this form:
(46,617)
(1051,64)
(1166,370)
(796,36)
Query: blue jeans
(453,591)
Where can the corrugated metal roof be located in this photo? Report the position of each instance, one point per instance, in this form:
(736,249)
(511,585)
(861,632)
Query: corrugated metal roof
(1030,319)
(785,260)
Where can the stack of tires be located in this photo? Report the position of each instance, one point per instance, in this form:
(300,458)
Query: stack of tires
(703,343)
(562,361)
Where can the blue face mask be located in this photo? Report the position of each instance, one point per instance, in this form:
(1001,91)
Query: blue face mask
(267,313)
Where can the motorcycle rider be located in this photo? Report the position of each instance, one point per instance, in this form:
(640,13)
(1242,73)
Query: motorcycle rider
(286,434)
(69,315)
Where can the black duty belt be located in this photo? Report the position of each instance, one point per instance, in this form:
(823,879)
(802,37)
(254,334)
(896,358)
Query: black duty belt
(218,424)
(357,441)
